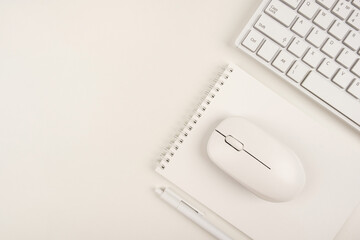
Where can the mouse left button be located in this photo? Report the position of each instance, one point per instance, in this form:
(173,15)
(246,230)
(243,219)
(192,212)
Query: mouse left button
(233,142)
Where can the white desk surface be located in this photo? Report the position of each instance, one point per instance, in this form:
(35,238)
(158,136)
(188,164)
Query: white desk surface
(91,91)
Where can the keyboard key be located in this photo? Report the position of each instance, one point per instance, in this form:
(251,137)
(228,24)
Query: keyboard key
(324,19)
(308,9)
(342,9)
(331,48)
(283,61)
(301,27)
(343,78)
(356,68)
(353,40)
(356,3)
(346,58)
(313,58)
(326,3)
(354,20)
(298,47)
(316,37)
(339,30)
(281,12)
(354,88)
(292,3)
(268,50)
(328,68)
(273,30)
(332,95)
(298,71)
(252,40)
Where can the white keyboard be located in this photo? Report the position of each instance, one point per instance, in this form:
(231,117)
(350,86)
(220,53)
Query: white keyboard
(314,45)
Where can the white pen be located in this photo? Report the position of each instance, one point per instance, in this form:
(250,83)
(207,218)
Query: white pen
(196,216)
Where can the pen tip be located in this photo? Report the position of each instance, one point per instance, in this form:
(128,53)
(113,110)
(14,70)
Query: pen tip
(159,190)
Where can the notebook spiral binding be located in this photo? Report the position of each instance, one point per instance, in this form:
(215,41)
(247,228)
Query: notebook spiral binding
(184,132)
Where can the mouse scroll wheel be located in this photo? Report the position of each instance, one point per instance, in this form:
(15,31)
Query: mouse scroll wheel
(233,142)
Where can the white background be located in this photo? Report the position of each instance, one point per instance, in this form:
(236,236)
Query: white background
(90,94)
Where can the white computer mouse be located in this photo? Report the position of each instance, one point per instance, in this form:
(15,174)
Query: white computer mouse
(257,160)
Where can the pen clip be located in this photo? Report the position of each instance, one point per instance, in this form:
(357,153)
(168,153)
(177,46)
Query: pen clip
(194,209)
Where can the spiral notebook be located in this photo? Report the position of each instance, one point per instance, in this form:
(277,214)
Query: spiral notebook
(332,170)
